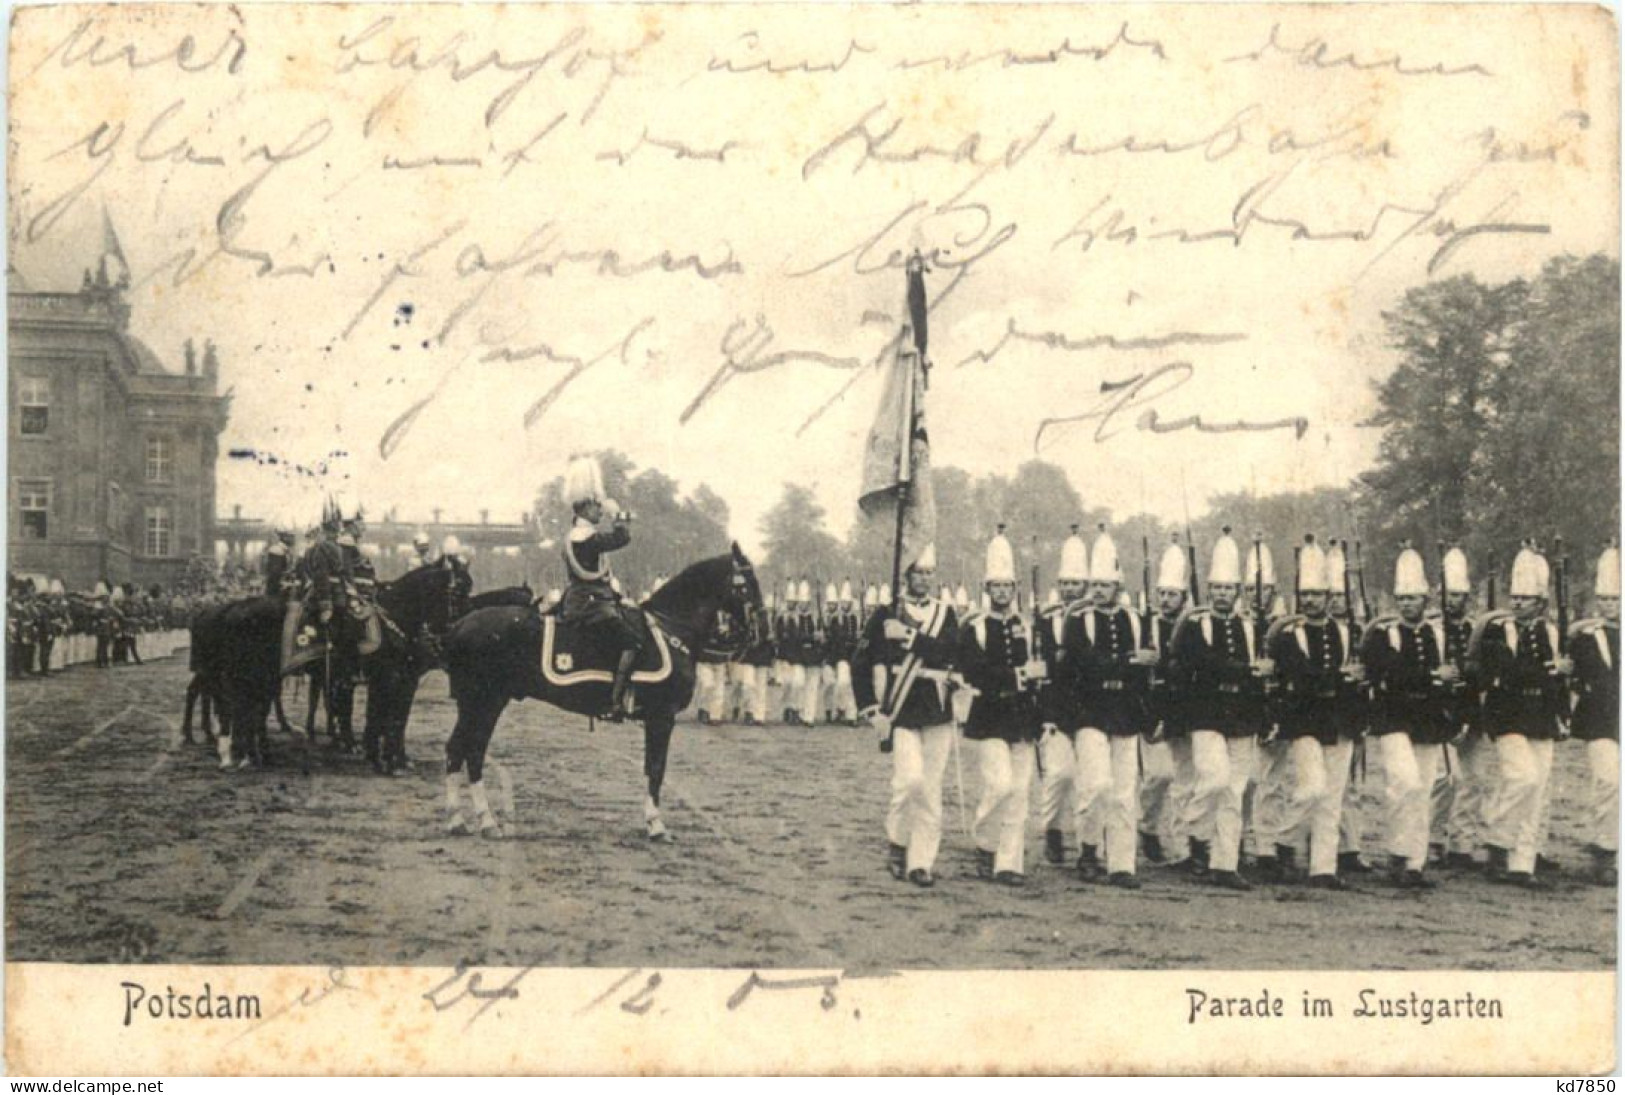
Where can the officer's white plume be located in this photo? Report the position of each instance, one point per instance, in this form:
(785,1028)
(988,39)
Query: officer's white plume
(1607,573)
(583,482)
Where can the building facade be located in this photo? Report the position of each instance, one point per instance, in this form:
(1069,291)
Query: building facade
(111,454)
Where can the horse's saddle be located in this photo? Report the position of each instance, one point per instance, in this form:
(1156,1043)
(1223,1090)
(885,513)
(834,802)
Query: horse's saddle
(303,643)
(571,656)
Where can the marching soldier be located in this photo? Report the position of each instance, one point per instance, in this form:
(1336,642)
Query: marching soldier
(809,655)
(1105,665)
(1057,746)
(998,663)
(785,670)
(1166,747)
(1518,659)
(590,600)
(54,622)
(1341,609)
(1460,797)
(915,643)
(756,665)
(1301,796)
(1411,681)
(1220,664)
(841,637)
(1595,643)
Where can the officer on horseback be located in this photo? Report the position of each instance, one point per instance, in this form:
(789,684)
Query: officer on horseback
(591,601)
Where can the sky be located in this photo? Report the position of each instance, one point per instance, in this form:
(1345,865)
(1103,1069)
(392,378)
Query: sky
(440,253)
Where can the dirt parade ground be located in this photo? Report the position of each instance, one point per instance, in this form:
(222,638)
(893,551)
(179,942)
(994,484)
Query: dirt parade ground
(122,844)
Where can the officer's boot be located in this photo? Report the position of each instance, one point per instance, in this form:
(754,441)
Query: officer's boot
(617,691)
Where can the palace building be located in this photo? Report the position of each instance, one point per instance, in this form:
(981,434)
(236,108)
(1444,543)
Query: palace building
(112,454)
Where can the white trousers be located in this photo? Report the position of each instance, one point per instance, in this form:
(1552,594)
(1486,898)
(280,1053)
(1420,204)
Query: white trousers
(1603,819)
(811,691)
(838,690)
(1348,830)
(1001,816)
(1224,768)
(753,690)
(711,689)
(1475,773)
(784,677)
(1408,771)
(1056,798)
(1274,820)
(1107,784)
(1159,789)
(1515,816)
(914,816)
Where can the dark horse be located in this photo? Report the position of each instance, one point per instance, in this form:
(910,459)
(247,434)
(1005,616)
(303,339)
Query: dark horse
(236,661)
(493,656)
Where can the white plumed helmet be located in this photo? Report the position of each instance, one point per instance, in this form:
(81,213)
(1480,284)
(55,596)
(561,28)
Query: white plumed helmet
(1173,570)
(1001,560)
(1457,579)
(1313,577)
(1225,565)
(1607,573)
(1410,576)
(1074,559)
(1531,574)
(1103,563)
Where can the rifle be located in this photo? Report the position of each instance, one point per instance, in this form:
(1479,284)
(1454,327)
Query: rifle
(1297,577)
(1190,541)
(1489,598)
(1146,609)
(1562,598)
(1359,565)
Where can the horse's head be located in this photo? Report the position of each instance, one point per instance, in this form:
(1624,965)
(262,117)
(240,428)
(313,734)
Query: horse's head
(692,600)
(428,597)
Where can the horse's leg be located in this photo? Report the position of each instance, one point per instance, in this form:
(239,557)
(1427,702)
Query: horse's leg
(225,709)
(193,687)
(282,716)
(484,713)
(456,752)
(657,729)
(314,684)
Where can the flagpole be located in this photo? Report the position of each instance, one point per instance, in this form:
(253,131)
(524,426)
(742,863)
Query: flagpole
(905,476)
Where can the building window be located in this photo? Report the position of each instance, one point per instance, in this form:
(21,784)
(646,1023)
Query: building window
(34,506)
(159,530)
(160,458)
(34,404)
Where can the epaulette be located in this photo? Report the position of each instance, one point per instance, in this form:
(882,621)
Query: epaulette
(970,617)
(1049,612)
(1284,623)
(1584,627)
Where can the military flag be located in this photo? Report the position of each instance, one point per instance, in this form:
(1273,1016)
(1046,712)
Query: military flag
(897,457)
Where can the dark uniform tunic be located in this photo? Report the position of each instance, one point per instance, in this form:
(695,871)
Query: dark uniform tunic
(1055,704)
(1163,706)
(841,637)
(993,652)
(1317,700)
(1400,661)
(590,600)
(802,641)
(1107,690)
(1458,631)
(1596,683)
(329,575)
(927,655)
(1522,694)
(761,650)
(1213,667)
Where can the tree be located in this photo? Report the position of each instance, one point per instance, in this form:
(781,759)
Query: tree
(798,545)
(1501,420)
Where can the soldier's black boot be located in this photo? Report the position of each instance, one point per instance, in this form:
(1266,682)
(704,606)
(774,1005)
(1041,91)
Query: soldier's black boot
(1351,863)
(1151,847)
(897,861)
(984,864)
(1287,856)
(1197,862)
(1054,846)
(1089,868)
(1267,868)
(617,691)
(1496,869)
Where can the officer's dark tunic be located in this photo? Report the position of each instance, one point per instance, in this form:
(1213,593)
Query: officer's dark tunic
(1596,683)
(1522,694)
(931,647)
(992,649)
(276,569)
(590,599)
(1215,675)
(1108,692)
(1316,698)
(1400,662)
